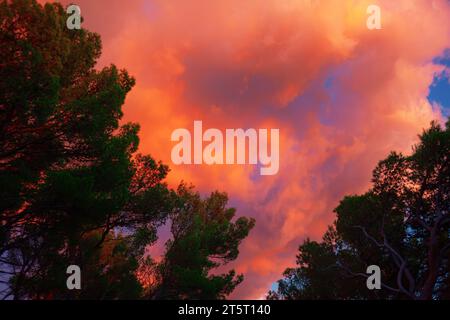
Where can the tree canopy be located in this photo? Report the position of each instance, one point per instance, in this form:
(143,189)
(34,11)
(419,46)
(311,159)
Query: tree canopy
(402,224)
(74,189)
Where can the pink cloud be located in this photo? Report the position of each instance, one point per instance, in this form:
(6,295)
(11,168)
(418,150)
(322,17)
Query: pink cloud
(342,96)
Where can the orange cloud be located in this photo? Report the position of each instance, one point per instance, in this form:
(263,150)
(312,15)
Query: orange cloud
(341,95)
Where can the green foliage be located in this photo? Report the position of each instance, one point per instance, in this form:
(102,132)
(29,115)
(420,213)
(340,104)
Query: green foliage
(402,225)
(204,238)
(74,190)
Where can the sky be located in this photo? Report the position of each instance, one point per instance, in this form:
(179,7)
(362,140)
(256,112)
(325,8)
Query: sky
(341,95)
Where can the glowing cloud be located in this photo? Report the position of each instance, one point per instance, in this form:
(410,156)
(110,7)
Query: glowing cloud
(341,95)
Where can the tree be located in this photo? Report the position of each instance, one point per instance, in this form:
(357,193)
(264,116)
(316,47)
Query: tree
(74,189)
(67,167)
(402,224)
(204,237)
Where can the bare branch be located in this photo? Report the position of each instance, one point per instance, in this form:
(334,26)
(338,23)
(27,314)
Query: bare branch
(399,261)
(364,275)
